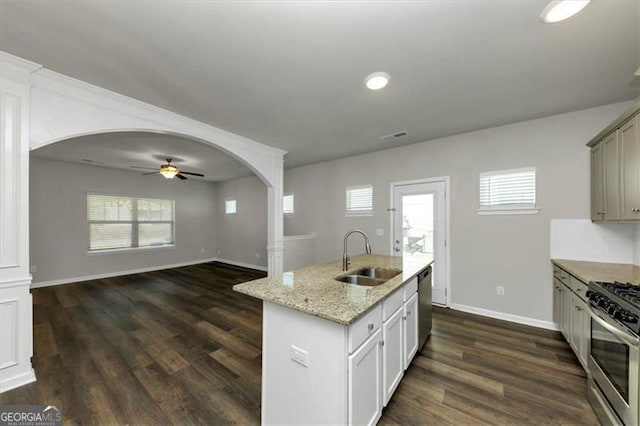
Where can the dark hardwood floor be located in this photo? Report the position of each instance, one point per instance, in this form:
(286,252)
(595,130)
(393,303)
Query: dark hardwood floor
(180,347)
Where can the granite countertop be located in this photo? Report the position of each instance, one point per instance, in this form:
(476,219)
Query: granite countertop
(599,271)
(315,291)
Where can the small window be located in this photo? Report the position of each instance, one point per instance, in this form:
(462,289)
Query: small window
(120,222)
(359,200)
(508,191)
(287,204)
(230,206)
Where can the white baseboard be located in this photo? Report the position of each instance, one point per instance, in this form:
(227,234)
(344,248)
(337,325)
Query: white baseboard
(119,273)
(548,325)
(17,381)
(242,264)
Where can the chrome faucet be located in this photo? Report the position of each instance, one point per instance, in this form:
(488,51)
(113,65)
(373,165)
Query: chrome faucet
(345,256)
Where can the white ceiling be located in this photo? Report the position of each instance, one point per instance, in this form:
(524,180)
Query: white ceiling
(124,149)
(289,74)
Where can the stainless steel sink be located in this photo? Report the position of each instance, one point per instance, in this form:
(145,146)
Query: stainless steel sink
(378,273)
(369,276)
(360,280)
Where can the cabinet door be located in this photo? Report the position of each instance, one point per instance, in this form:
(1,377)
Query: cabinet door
(585,333)
(630,169)
(410,329)
(576,324)
(611,172)
(565,324)
(365,382)
(597,193)
(392,359)
(557,301)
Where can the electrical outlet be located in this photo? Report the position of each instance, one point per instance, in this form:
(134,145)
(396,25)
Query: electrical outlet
(219,252)
(500,290)
(202,250)
(33,269)
(300,356)
(257,255)
(380,232)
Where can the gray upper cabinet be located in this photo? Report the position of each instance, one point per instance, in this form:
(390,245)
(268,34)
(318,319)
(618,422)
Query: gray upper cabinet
(615,170)
(630,169)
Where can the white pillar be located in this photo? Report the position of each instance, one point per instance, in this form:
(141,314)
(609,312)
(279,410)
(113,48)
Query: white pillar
(16,317)
(275,232)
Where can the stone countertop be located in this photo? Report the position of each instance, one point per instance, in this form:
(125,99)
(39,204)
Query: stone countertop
(315,291)
(599,271)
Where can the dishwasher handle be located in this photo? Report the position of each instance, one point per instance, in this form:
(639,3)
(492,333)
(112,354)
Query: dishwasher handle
(424,274)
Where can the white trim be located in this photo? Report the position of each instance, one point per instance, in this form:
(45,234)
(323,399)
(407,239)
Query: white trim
(499,211)
(548,325)
(242,264)
(447,220)
(119,273)
(300,237)
(17,381)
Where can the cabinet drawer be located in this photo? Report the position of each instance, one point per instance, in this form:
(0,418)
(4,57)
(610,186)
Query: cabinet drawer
(410,288)
(561,274)
(391,304)
(360,330)
(578,287)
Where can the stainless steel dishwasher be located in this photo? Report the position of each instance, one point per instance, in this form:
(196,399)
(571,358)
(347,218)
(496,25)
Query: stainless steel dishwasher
(425,309)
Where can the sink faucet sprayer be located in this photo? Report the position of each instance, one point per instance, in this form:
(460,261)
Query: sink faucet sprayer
(345,256)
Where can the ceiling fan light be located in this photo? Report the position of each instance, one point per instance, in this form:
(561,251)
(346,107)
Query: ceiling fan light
(377,80)
(168,171)
(559,10)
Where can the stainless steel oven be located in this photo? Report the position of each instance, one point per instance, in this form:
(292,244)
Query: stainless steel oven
(613,370)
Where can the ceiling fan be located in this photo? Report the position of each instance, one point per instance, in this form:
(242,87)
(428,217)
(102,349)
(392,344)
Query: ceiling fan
(169,171)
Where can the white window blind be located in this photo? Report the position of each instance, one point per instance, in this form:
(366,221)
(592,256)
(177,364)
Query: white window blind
(120,222)
(287,204)
(230,206)
(359,199)
(508,189)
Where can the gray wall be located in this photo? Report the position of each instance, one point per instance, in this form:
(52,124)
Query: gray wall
(486,251)
(242,237)
(58,230)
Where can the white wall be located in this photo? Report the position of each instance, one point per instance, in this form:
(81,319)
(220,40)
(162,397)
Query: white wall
(58,220)
(242,237)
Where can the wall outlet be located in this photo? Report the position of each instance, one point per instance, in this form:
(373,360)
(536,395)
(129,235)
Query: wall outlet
(300,356)
(202,250)
(257,255)
(219,252)
(500,290)
(380,232)
(33,269)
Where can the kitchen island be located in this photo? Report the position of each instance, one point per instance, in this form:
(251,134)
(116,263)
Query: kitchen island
(334,352)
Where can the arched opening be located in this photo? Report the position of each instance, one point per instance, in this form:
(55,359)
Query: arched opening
(70,243)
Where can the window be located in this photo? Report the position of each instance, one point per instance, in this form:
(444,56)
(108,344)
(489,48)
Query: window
(359,200)
(230,206)
(508,191)
(287,204)
(119,222)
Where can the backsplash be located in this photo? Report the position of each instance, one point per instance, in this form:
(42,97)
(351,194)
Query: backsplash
(581,239)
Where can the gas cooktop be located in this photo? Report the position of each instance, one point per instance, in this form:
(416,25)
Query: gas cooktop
(621,301)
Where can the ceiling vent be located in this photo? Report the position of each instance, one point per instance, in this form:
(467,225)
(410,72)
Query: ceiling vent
(401,135)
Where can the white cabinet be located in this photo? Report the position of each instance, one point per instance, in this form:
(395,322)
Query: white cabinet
(410,329)
(392,353)
(365,382)
(630,169)
(565,323)
(580,329)
(557,301)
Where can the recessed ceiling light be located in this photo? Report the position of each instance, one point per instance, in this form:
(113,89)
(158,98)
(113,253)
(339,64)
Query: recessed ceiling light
(377,80)
(559,10)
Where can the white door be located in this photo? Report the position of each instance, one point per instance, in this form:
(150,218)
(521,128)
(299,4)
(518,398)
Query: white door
(392,359)
(419,229)
(410,329)
(365,382)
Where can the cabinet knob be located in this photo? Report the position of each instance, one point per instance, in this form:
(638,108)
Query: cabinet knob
(404,318)
(381,342)
(635,210)
(370,326)
(408,313)
(578,289)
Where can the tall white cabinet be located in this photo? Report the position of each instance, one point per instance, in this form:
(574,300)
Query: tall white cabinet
(16,335)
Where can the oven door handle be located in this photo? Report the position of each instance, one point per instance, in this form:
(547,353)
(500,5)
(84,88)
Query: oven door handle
(607,323)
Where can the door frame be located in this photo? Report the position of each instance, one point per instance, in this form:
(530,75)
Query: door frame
(447,223)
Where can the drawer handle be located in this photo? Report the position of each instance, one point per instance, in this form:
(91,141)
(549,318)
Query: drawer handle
(370,326)
(635,210)
(578,289)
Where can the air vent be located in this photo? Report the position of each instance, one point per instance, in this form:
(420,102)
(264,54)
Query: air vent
(395,136)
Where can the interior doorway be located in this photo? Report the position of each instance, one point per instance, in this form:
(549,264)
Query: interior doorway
(420,228)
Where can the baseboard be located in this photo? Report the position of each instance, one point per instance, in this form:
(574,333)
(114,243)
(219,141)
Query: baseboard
(17,381)
(242,264)
(119,273)
(548,325)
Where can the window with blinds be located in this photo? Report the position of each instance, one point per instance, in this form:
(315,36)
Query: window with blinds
(508,189)
(119,222)
(287,204)
(359,200)
(230,206)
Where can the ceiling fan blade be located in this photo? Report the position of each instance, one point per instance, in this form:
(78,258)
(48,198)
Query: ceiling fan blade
(179,176)
(152,173)
(146,168)
(191,173)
